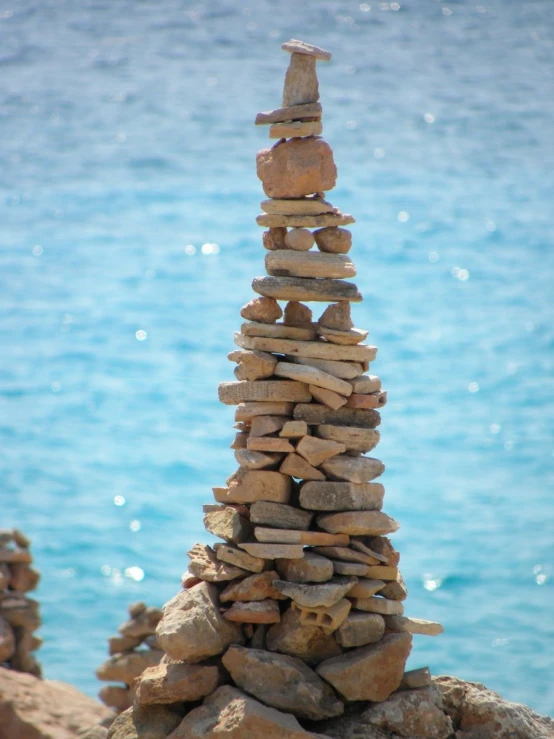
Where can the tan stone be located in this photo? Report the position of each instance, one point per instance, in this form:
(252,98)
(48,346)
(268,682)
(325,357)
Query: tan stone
(327,397)
(235,556)
(297,167)
(371,400)
(396,589)
(189,581)
(297,314)
(274,551)
(120,643)
(124,668)
(298,239)
(358,523)
(252,588)
(192,628)
(343,338)
(176,683)
(253,485)
(333,240)
(366,384)
(280,516)
(316,451)
(369,673)
(366,588)
(294,429)
(283,682)
(258,612)
(382,545)
(252,365)
(296,466)
(20,611)
(239,442)
(308,538)
(115,696)
(290,113)
(328,619)
(297,206)
(308,643)
(15,555)
(346,554)
(233,393)
(344,370)
(341,496)
(313,376)
(360,629)
(268,444)
(23,578)
(332,220)
(353,469)
(301,85)
(274,238)
(294,129)
(279,331)
(359,546)
(7,641)
(315,414)
(419,678)
(311,568)
(324,594)
(252,460)
(299,289)
(295,262)
(357,569)
(413,625)
(262,310)
(226,523)
(337,316)
(376,604)
(263,425)
(248,411)
(383,572)
(205,565)
(294,46)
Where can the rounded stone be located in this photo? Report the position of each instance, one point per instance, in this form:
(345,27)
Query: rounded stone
(299,239)
(333,240)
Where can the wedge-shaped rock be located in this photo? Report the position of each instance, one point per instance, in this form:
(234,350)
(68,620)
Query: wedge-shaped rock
(297,167)
(235,556)
(336,317)
(369,673)
(257,612)
(327,397)
(294,430)
(413,625)
(315,414)
(289,263)
(283,682)
(342,496)
(312,376)
(419,678)
(294,129)
(350,568)
(251,460)
(124,668)
(324,594)
(263,310)
(309,643)
(376,604)
(289,113)
(280,516)
(358,523)
(230,714)
(316,451)
(354,439)
(176,683)
(254,587)
(299,289)
(365,588)
(233,393)
(296,466)
(248,411)
(228,524)
(311,568)
(360,629)
(274,551)
(192,628)
(268,444)
(346,554)
(252,365)
(205,565)
(396,589)
(384,572)
(345,338)
(239,442)
(328,619)
(278,331)
(353,469)
(383,546)
(297,206)
(263,425)
(344,370)
(301,86)
(366,384)
(297,314)
(254,485)
(326,219)
(307,538)
(372,400)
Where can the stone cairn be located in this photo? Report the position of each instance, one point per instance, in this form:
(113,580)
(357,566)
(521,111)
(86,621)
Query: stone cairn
(131,651)
(19,614)
(302,597)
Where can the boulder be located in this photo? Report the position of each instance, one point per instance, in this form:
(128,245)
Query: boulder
(297,167)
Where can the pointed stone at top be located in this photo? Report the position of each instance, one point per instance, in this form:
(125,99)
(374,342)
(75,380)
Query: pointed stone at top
(294,46)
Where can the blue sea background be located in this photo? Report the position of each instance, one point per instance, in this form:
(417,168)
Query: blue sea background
(128,195)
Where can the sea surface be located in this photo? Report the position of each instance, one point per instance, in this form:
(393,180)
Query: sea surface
(128,241)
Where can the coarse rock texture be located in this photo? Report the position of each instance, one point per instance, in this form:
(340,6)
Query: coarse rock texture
(147,722)
(297,167)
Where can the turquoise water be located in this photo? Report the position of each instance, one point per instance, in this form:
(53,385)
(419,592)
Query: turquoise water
(127,151)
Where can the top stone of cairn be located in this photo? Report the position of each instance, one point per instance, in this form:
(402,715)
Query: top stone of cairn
(294,46)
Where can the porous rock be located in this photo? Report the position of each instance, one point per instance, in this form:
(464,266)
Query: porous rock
(297,167)
(309,643)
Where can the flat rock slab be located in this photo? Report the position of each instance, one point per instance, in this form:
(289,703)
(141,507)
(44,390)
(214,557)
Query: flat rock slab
(253,460)
(274,551)
(297,206)
(267,220)
(353,469)
(176,683)
(383,572)
(413,625)
(370,673)
(346,554)
(347,338)
(350,568)
(354,439)
(311,568)
(360,629)
(205,565)
(344,370)
(282,682)
(327,397)
(371,400)
(253,485)
(233,555)
(313,376)
(299,289)
(376,604)
(296,466)
(307,538)
(342,496)
(308,643)
(294,46)
(277,331)
(289,263)
(294,430)
(297,167)
(324,595)
(290,113)
(294,129)
(280,516)
(358,523)
(233,393)
(258,612)
(366,384)
(316,451)
(252,588)
(248,411)
(315,414)
(192,628)
(307,349)
(268,444)
(366,588)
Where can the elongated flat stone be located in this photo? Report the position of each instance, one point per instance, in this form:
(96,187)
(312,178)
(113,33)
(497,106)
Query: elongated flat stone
(311,349)
(253,588)
(315,414)
(346,554)
(354,439)
(205,565)
(376,604)
(289,263)
(291,113)
(324,594)
(297,206)
(341,496)
(233,555)
(316,451)
(294,46)
(294,430)
(413,625)
(301,289)
(328,619)
(311,568)
(353,469)
(370,400)
(344,370)
(269,444)
(357,569)
(312,376)
(296,466)
(253,485)
(277,330)
(295,129)
(348,338)
(308,538)
(360,629)
(233,393)
(274,551)
(248,411)
(258,612)
(383,572)
(280,516)
(366,588)
(327,397)
(267,220)
(253,460)
(358,523)
(263,425)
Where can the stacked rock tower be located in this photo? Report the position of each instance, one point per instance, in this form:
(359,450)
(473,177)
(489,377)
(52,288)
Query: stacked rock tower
(300,605)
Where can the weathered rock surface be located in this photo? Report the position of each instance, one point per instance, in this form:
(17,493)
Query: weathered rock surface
(175,683)
(124,668)
(297,167)
(309,643)
(146,722)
